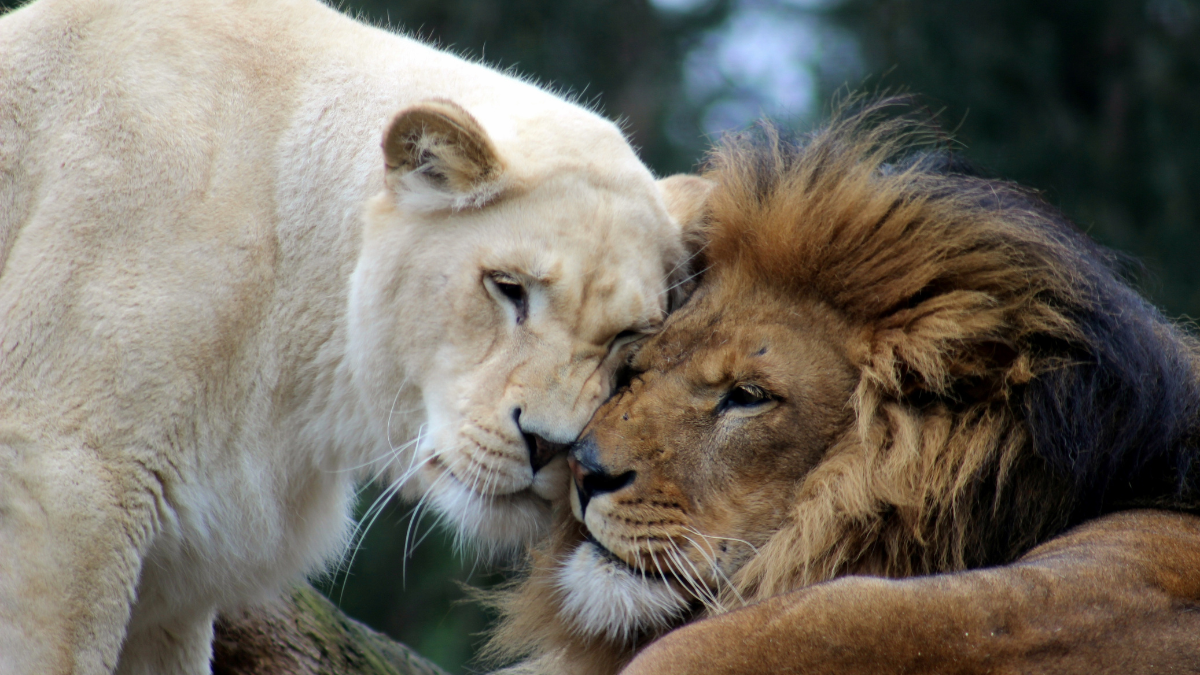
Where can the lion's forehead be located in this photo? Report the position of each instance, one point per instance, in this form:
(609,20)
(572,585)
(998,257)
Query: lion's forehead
(705,351)
(605,284)
(601,303)
(730,331)
(617,214)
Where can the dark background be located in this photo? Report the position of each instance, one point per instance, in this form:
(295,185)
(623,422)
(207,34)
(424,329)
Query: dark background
(1094,102)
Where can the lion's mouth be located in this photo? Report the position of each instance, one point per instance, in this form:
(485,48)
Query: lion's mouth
(541,451)
(624,565)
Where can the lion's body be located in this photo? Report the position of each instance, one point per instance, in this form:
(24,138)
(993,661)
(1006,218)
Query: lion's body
(889,368)
(1117,595)
(203,346)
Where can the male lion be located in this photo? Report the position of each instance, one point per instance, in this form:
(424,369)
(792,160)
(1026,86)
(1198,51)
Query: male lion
(890,368)
(204,343)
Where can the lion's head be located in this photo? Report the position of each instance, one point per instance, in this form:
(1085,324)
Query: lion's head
(889,367)
(499,282)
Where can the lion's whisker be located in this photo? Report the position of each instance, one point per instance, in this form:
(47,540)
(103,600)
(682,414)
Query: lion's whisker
(687,260)
(360,530)
(392,409)
(714,536)
(684,576)
(392,454)
(699,578)
(438,522)
(658,567)
(691,578)
(718,573)
(641,565)
(417,513)
(475,493)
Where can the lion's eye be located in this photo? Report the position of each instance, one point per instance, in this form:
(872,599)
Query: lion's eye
(744,396)
(514,291)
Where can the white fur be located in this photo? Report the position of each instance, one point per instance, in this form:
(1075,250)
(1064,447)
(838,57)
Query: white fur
(418,193)
(214,318)
(603,598)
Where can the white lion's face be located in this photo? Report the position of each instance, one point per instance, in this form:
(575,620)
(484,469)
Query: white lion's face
(485,339)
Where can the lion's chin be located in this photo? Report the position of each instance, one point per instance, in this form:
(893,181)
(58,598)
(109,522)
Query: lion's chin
(496,527)
(605,598)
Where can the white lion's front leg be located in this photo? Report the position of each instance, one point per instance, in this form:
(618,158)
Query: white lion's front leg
(72,532)
(182,647)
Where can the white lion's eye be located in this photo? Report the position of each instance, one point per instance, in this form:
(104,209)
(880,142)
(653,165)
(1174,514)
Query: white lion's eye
(512,290)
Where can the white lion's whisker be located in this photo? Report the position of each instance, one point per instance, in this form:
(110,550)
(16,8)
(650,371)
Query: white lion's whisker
(360,531)
(679,265)
(376,508)
(418,510)
(683,281)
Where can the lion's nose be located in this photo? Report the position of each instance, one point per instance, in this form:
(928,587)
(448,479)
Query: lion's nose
(591,478)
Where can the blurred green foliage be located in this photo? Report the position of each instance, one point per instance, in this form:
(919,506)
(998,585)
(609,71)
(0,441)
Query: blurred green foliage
(419,600)
(1094,102)
(621,56)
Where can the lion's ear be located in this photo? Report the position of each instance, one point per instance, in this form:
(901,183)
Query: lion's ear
(685,196)
(439,157)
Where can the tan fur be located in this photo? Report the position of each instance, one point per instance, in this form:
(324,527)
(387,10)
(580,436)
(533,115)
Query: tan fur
(842,395)
(219,309)
(1115,596)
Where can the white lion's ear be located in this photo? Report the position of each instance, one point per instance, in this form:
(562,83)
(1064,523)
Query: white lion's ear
(439,157)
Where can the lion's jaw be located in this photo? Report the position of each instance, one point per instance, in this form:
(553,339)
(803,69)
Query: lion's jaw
(466,390)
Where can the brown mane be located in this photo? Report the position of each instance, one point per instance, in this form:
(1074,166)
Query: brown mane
(1011,385)
(974,290)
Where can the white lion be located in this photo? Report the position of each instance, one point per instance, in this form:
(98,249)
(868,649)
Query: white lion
(204,341)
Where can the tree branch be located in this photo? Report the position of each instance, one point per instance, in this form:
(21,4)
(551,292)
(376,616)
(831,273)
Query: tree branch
(302,633)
